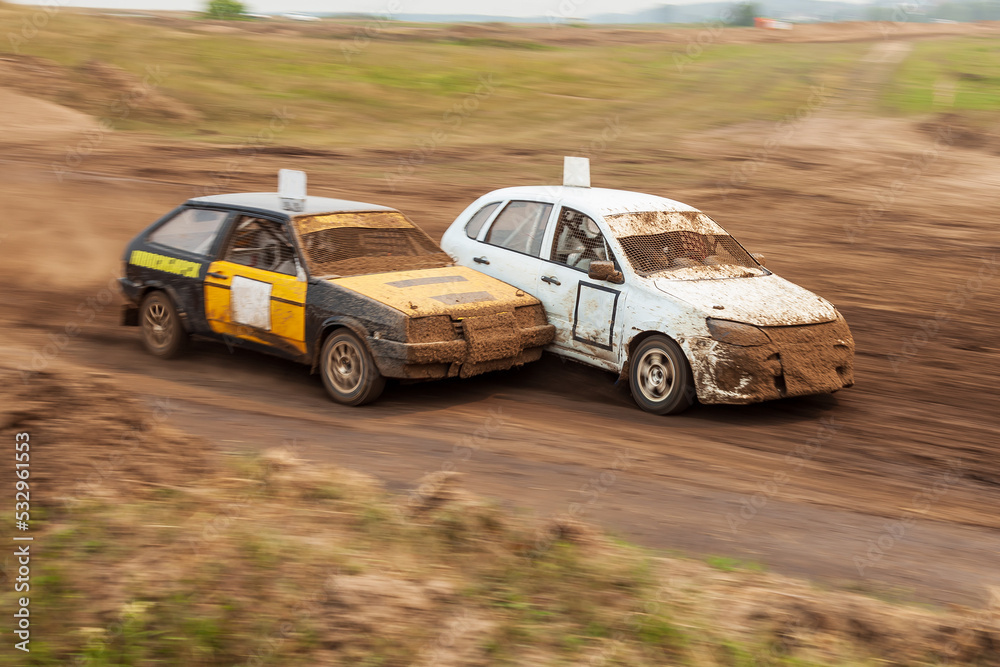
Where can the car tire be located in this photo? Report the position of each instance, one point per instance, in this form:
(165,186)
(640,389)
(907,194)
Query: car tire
(163,335)
(660,377)
(349,372)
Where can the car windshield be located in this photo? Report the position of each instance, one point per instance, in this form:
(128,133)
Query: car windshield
(350,244)
(681,245)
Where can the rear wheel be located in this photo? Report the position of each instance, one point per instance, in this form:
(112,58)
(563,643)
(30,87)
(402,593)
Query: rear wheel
(162,332)
(660,377)
(349,372)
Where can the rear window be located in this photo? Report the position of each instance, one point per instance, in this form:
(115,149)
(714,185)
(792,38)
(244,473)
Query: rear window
(350,244)
(192,230)
(477,221)
(520,227)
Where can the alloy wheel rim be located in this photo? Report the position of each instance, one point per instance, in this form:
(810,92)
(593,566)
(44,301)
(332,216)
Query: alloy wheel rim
(157,323)
(344,366)
(656,375)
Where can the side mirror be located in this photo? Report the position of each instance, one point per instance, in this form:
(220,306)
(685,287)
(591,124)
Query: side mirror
(759,257)
(604,270)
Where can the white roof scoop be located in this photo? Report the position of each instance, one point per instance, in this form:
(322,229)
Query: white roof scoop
(576,172)
(292,189)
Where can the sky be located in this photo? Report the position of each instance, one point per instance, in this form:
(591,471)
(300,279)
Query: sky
(566,8)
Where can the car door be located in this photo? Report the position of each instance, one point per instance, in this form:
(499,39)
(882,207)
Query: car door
(511,247)
(584,311)
(256,289)
(174,256)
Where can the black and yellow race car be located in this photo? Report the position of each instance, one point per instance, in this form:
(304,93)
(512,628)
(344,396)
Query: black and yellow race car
(354,290)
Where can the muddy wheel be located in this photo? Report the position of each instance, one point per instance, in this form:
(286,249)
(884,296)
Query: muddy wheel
(349,372)
(162,332)
(660,377)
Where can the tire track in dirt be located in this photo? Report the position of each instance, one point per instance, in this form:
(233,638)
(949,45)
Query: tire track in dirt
(686,474)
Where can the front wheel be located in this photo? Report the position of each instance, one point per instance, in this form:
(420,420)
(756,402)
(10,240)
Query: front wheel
(660,377)
(349,372)
(162,331)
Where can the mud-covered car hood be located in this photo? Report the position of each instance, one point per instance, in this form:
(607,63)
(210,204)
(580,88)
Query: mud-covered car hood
(452,290)
(763,300)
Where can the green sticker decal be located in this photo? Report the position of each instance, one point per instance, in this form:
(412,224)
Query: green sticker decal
(151,260)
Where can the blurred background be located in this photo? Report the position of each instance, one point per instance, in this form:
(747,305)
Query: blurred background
(220,510)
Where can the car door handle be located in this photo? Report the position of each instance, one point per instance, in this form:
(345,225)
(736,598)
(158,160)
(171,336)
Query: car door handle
(550,280)
(216,274)
(480,260)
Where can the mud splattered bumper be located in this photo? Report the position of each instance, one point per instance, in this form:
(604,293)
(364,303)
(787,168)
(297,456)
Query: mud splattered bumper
(477,345)
(798,361)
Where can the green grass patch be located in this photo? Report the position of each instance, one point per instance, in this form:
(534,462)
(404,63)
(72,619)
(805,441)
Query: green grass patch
(961,74)
(461,91)
(727,564)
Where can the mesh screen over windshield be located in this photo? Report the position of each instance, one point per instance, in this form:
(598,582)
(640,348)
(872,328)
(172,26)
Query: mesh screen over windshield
(347,244)
(668,251)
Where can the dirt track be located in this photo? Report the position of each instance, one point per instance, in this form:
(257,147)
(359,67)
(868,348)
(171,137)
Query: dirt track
(896,225)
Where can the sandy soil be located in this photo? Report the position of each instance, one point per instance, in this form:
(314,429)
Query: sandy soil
(30,119)
(891,486)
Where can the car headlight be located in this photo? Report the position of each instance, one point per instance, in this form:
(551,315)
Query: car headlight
(736,333)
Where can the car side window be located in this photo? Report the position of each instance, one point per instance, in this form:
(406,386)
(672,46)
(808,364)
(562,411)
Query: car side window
(261,244)
(578,241)
(520,227)
(477,221)
(192,230)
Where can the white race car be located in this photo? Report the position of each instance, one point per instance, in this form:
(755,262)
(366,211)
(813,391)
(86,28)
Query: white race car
(657,291)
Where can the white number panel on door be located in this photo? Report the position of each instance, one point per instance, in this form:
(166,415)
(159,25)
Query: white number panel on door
(250,301)
(594,319)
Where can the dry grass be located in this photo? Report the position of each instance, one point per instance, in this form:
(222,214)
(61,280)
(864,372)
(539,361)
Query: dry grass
(275,560)
(447,85)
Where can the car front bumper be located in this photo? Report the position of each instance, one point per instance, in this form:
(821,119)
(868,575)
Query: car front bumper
(487,343)
(798,361)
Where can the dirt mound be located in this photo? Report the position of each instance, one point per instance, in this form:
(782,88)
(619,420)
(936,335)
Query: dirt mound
(961,131)
(29,119)
(96,87)
(835,626)
(89,438)
(141,93)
